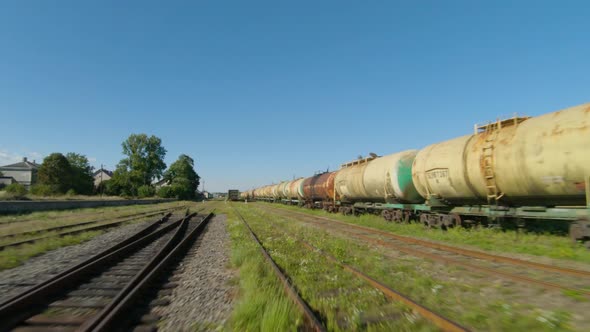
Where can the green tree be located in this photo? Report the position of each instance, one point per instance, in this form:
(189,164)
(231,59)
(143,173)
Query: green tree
(181,176)
(56,172)
(120,183)
(81,176)
(145,158)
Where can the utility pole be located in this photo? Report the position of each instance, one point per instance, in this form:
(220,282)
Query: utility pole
(100,184)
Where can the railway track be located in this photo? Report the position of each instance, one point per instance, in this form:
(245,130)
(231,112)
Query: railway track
(314,323)
(97,294)
(74,214)
(73,229)
(62,227)
(441,253)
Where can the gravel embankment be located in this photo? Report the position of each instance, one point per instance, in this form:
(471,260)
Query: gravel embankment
(203,299)
(39,268)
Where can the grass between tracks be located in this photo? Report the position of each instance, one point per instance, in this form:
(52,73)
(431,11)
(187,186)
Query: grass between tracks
(495,240)
(15,256)
(12,257)
(347,303)
(262,305)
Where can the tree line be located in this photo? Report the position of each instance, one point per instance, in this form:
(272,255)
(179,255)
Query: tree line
(134,175)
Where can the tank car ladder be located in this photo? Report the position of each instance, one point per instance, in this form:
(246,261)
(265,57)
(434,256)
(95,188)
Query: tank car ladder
(491,133)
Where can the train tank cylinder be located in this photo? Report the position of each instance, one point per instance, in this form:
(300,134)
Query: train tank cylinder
(320,187)
(349,181)
(300,192)
(292,189)
(274,191)
(283,189)
(297,189)
(380,179)
(389,178)
(521,161)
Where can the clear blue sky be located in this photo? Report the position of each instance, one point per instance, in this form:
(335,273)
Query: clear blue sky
(261,91)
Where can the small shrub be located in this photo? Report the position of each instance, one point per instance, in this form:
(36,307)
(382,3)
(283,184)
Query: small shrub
(42,190)
(167,192)
(17,190)
(71,193)
(146,191)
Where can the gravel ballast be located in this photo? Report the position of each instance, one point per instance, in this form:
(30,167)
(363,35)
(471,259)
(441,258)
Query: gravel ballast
(37,269)
(203,298)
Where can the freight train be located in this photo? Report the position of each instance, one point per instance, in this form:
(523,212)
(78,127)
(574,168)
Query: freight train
(513,170)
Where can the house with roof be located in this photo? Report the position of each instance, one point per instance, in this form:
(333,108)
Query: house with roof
(160,183)
(101,175)
(6,181)
(24,172)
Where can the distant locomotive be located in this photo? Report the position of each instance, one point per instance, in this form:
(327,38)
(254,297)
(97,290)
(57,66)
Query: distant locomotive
(233,195)
(511,170)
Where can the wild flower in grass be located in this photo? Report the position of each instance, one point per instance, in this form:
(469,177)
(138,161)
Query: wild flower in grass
(507,309)
(411,316)
(436,288)
(553,319)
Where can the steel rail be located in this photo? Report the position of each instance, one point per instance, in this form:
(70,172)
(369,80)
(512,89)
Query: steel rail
(418,253)
(89,214)
(77,231)
(107,319)
(437,319)
(309,315)
(143,232)
(462,251)
(15,310)
(62,227)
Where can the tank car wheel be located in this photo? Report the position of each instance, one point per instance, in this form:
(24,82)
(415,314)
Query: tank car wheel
(407,216)
(386,215)
(396,216)
(580,231)
(450,221)
(424,219)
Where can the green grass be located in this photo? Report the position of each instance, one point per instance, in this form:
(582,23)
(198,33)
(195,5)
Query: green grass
(262,304)
(494,240)
(44,219)
(12,257)
(461,302)
(15,256)
(342,300)
(49,214)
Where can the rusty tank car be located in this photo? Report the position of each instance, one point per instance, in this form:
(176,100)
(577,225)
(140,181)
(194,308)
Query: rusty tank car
(519,168)
(318,191)
(513,170)
(521,161)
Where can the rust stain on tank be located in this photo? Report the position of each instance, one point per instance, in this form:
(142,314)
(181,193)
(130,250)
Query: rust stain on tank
(319,187)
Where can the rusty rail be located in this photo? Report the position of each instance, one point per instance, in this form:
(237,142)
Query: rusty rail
(107,319)
(17,309)
(143,232)
(62,227)
(418,253)
(439,320)
(462,251)
(81,230)
(310,317)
